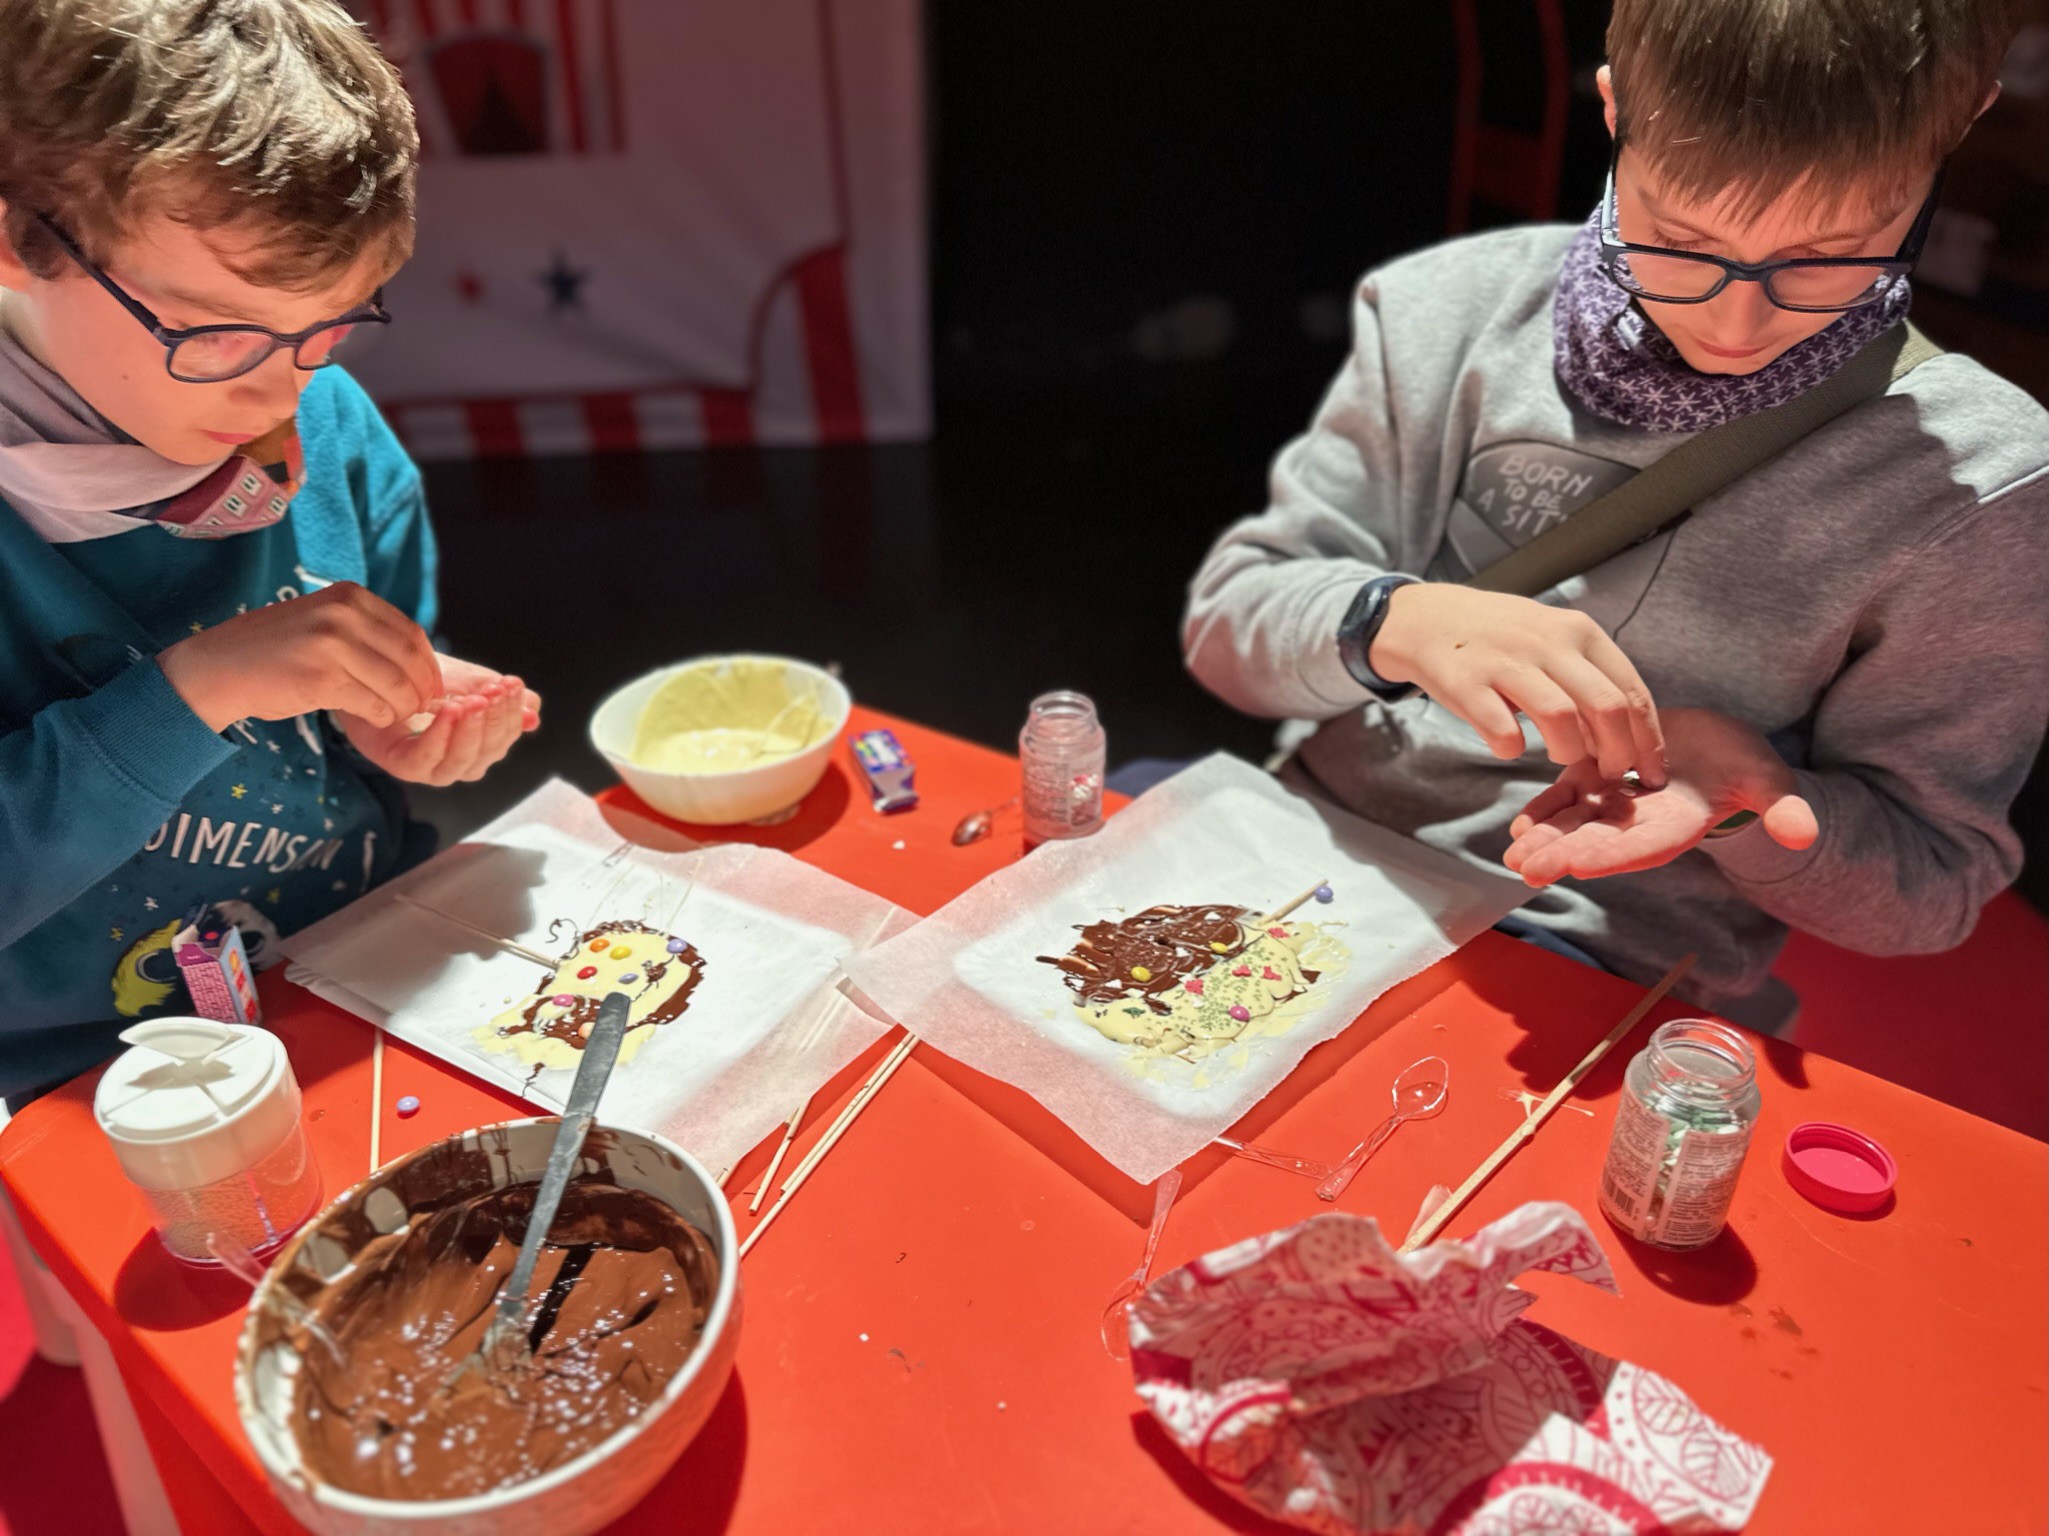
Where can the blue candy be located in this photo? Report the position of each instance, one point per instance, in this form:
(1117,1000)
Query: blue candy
(1326,895)
(408,1106)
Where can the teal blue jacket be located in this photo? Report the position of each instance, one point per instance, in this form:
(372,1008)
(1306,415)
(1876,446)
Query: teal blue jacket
(121,814)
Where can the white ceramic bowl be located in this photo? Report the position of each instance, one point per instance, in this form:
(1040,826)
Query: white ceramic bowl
(576,1498)
(736,794)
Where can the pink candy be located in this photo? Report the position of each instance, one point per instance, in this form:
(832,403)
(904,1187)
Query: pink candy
(1195,987)
(1270,973)
(1241,970)
(1240,1012)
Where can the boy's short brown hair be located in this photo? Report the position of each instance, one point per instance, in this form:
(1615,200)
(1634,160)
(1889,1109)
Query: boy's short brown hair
(1751,97)
(214,112)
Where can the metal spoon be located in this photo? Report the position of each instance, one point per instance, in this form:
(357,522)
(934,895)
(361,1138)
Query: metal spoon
(1116,1337)
(1419,1093)
(505,1336)
(977,825)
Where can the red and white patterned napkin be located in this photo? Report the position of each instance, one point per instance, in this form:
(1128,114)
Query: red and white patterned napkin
(1330,1382)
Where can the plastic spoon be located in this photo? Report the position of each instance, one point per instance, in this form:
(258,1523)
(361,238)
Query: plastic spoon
(1116,1338)
(1419,1093)
(1308,1167)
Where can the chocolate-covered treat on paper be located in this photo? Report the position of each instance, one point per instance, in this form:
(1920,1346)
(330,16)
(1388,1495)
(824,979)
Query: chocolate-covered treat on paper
(1188,980)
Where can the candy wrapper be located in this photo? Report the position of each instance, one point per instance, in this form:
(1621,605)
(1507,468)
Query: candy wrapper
(1149,1034)
(1332,1383)
(731,956)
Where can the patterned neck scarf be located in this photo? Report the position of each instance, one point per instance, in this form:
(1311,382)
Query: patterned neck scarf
(74,475)
(1621,367)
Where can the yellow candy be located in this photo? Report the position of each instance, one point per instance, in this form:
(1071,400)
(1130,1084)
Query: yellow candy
(1140,973)
(620,951)
(1220,947)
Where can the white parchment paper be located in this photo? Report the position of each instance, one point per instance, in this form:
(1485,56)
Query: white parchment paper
(766,1026)
(968,979)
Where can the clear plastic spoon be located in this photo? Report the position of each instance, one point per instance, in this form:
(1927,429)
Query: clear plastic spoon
(1308,1167)
(1419,1093)
(1116,1337)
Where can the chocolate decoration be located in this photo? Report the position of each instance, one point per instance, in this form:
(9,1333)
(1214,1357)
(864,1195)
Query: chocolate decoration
(618,1307)
(573,1027)
(1171,942)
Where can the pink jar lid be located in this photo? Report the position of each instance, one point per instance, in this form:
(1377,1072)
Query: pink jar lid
(1838,1168)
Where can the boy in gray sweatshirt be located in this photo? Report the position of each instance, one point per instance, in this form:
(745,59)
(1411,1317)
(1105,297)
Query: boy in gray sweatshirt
(1810,702)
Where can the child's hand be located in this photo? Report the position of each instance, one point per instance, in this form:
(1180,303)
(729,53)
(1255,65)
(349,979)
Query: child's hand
(472,730)
(1486,656)
(479,716)
(340,648)
(1584,826)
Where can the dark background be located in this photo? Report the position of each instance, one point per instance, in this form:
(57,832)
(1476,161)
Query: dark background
(1146,220)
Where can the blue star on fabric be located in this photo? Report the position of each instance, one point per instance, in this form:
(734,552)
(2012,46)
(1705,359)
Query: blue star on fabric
(564,284)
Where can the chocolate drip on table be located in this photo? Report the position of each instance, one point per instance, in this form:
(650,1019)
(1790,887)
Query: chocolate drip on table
(395,1417)
(573,1026)
(1170,943)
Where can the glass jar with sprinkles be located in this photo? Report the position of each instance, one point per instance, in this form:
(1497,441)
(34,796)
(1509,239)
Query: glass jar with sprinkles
(1689,1104)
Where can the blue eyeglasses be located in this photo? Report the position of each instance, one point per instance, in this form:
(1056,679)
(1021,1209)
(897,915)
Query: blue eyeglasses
(213,354)
(1808,284)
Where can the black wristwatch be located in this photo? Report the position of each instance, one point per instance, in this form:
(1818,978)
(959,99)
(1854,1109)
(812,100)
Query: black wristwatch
(1361,626)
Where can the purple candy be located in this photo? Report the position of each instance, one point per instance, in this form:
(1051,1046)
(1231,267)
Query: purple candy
(408,1106)
(677,946)
(629,978)
(1326,895)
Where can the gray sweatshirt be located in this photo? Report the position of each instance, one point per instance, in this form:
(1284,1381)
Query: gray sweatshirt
(1876,600)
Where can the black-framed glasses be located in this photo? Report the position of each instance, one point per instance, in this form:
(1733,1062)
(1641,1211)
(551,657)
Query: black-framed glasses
(1809,284)
(213,354)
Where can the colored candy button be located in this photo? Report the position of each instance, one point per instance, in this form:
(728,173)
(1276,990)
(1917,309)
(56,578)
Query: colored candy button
(587,973)
(677,946)
(599,946)
(564,1000)
(408,1107)
(1140,973)
(1269,973)
(1194,986)
(1220,947)
(1277,933)
(1241,970)
(1240,1012)
(1326,895)
(629,978)
(621,951)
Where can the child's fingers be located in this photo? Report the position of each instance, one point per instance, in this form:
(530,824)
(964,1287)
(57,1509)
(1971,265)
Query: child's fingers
(530,716)
(1603,712)
(1488,713)
(464,738)
(1642,713)
(425,752)
(1552,709)
(501,730)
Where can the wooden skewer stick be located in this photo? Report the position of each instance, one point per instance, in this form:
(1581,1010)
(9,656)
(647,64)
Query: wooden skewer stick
(550,961)
(883,1073)
(860,1100)
(812,1036)
(376,1098)
(1425,1230)
(1274,917)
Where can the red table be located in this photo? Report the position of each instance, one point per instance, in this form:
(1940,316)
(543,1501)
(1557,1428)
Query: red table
(920,1347)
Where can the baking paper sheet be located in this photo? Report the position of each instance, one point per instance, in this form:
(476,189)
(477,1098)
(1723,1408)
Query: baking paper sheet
(764,1029)
(969,981)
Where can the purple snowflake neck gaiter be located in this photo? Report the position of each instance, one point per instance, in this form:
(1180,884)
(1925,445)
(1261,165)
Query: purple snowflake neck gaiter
(1621,367)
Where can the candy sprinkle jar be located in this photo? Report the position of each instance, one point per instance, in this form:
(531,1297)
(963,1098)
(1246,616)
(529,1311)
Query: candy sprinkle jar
(1689,1104)
(204,1118)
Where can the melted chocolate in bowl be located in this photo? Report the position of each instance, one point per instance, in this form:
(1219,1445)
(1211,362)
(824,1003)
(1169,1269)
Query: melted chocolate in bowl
(618,1307)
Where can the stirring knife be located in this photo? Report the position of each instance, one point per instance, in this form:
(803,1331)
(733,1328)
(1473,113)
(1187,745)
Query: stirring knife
(600,1052)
